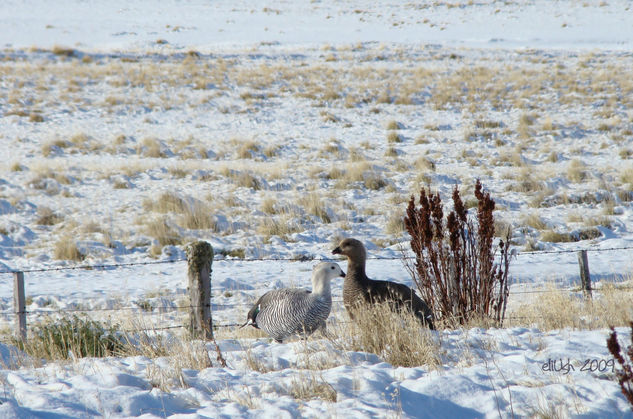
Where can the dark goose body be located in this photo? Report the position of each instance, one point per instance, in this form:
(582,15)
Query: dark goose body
(358,288)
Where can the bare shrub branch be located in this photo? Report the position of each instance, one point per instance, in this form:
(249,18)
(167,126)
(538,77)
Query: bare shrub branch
(454,268)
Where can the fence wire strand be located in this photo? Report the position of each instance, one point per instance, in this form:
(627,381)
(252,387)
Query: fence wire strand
(150,310)
(280,259)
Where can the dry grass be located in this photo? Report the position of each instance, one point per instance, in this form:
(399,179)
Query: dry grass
(556,237)
(534,220)
(313,205)
(558,309)
(197,216)
(576,171)
(524,135)
(309,386)
(46,216)
(394,137)
(397,338)
(163,232)
(66,249)
(282,227)
(167,202)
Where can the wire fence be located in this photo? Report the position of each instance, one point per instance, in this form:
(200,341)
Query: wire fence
(303,258)
(165,309)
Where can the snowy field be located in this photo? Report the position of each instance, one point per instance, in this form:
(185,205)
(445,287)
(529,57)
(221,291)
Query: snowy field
(272,130)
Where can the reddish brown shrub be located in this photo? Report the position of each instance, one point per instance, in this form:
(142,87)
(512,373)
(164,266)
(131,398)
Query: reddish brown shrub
(454,267)
(625,375)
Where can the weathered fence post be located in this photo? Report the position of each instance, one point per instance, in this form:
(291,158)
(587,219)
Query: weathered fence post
(200,258)
(585,278)
(19,305)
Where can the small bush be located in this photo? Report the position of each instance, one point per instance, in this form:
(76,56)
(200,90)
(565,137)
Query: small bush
(455,269)
(625,359)
(72,337)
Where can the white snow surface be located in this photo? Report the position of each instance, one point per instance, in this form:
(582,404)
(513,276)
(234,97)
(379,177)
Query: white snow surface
(485,373)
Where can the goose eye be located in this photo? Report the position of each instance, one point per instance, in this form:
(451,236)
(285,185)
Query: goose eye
(332,267)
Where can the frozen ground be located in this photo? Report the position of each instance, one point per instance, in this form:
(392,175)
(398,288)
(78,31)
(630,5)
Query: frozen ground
(106,108)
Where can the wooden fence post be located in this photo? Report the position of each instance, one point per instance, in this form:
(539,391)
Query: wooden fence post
(585,278)
(19,305)
(200,258)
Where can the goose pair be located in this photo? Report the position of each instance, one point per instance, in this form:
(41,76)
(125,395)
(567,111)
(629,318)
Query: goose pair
(293,311)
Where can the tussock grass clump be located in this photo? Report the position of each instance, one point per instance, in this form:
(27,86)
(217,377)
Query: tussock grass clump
(393,125)
(197,216)
(394,137)
(242,178)
(313,204)
(576,171)
(152,147)
(76,336)
(66,249)
(269,227)
(424,163)
(248,150)
(626,176)
(397,338)
(391,152)
(268,206)
(556,237)
(558,309)
(16,167)
(54,146)
(534,220)
(160,230)
(310,386)
(47,217)
(167,202)
(395,225)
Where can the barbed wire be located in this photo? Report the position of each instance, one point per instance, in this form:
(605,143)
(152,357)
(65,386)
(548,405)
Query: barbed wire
(282,259)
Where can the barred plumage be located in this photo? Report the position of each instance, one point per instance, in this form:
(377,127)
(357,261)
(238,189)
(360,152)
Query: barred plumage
(293,311)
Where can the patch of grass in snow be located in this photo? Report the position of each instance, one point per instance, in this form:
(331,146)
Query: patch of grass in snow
(281,227)
(47,217)
(66,249)
(309,386)
(72,337)
(611,305)
(395,337)
(161,230)
(313,204)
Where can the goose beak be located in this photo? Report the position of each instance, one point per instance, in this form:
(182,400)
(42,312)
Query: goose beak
(343,274)
(337,251)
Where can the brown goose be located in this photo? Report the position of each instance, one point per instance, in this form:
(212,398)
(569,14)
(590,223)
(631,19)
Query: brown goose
(357,287)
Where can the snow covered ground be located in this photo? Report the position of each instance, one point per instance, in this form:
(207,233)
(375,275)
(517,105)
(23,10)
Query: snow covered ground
(294,124)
